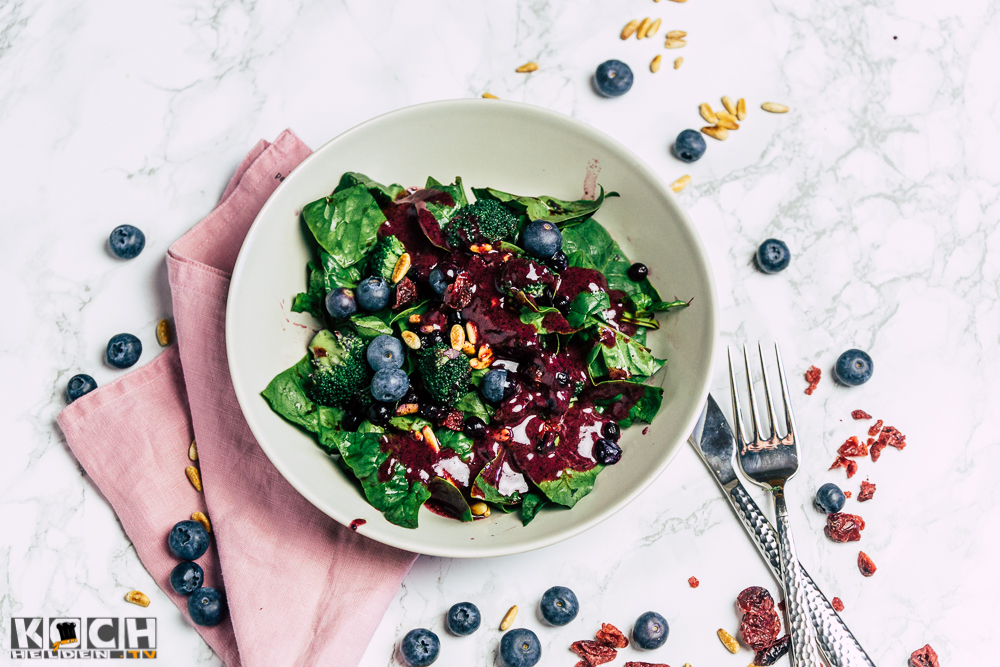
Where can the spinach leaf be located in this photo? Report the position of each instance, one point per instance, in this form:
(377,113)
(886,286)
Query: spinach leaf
(409,423)
(553,210)
(334,275)
(500,469)
(530,505)
(646,408)
(382,194)
(345,224)
(396,498)
(533,318)
(286,394)
(456,191)
(446,496)
(456,441)
(626,359)
(329,428)
(471,404)
(370,326)
(568,488)
(585,306)
(312,300)
(589,246)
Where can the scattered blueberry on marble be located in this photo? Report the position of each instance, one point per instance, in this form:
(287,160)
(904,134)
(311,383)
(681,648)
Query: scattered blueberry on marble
(372,294)
(542,239)
(123,350)
(438,281)
(79,385)
(689,146)
(559,605)
(380,414)
(206,607)
(463,619)
(829,498)
(773,256)
(638,272)
(497,385)
(385,351)
(127,241)
(613,78)
(607,452)
(611,431)
(853,367)
(650,631)
(340,303)
(419,647)
(188,540)
(520,648)
(186,577)
(390,384)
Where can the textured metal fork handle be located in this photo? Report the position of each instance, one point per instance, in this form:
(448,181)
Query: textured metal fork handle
(800,626)
(836,641)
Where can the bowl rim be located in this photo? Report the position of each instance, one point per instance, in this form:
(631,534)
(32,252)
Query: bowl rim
(482,550)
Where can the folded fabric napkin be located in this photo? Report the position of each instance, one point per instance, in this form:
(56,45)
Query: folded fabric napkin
(282,563)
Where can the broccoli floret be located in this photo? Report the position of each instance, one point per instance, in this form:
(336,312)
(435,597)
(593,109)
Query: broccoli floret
(341,369)
(445,373)
(383,257)
(485,221)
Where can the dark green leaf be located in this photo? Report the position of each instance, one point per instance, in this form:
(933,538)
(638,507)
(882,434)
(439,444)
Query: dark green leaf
(530,505)
(568,488)
(551,209)
(335,276)
(345,223)
(456,441)
(626,359)
(408,423)
(446,496)
(286,394)
(647,406)
(586,305)
(499,469)
(472,404)
(382,194)
(456,191)
(588,245)
(369,326)
(312,300)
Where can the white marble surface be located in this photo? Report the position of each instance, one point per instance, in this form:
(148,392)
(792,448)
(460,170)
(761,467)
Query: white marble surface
(883,180)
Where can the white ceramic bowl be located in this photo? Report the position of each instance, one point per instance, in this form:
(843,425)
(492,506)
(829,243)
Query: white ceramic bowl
(516,148)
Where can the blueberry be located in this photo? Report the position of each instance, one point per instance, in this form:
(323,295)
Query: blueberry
(127,241)
(829,499)
(520,648)
(559,605)
(606,452)
(560,302)
(438,281)
(562,379)
(430,411)
(123,350)
(380,414)
(207,606)
(351,421)
(474,427)
(773,256)
(79,385)
(385,351)
(689,146)
(419,647)
(431,339)
(188,540)
(542,239)
(650,631)
(497,385)
(455,317)
(558,262)
(463,619)
(373,293)
(638,272)
(613,78)
(390,384)
(611,431)
(853,367)
(340,303)
(186,577)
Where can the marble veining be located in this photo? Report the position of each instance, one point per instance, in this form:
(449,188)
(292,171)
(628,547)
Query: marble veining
(883,180)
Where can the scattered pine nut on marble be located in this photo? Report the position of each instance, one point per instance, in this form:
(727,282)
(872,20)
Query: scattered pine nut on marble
(643,28)
(527,67)
(508,618)
(655,65)
(137,597)
(707,113)
(679,62)
(490,96)
(630,28)
(741,109)
(680,183)
(729,104)
(774,107)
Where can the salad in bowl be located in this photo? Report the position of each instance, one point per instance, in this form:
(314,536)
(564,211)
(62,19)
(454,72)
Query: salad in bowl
(476,353)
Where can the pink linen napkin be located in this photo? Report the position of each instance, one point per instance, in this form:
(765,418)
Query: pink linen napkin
(288,570)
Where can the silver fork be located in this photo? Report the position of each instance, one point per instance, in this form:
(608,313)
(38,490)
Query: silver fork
(770,463)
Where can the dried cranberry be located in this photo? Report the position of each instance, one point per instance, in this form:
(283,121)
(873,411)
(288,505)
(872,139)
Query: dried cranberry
(847,494)
(861,414)
(633,663)
(853,448)
(406,294)
(594,653)
(837,604)
(923,657)
(865,564)
(892,437)
(876,427)
(812,377)
(844,462)
(611,636)
(867,491)
(876,450)
(693,582)
(458,295)
(454,421)
(754,599)
(760,629)
(770,654)
(843,527)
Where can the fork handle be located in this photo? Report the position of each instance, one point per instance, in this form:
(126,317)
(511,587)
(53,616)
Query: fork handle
(800,626)
(836,641)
